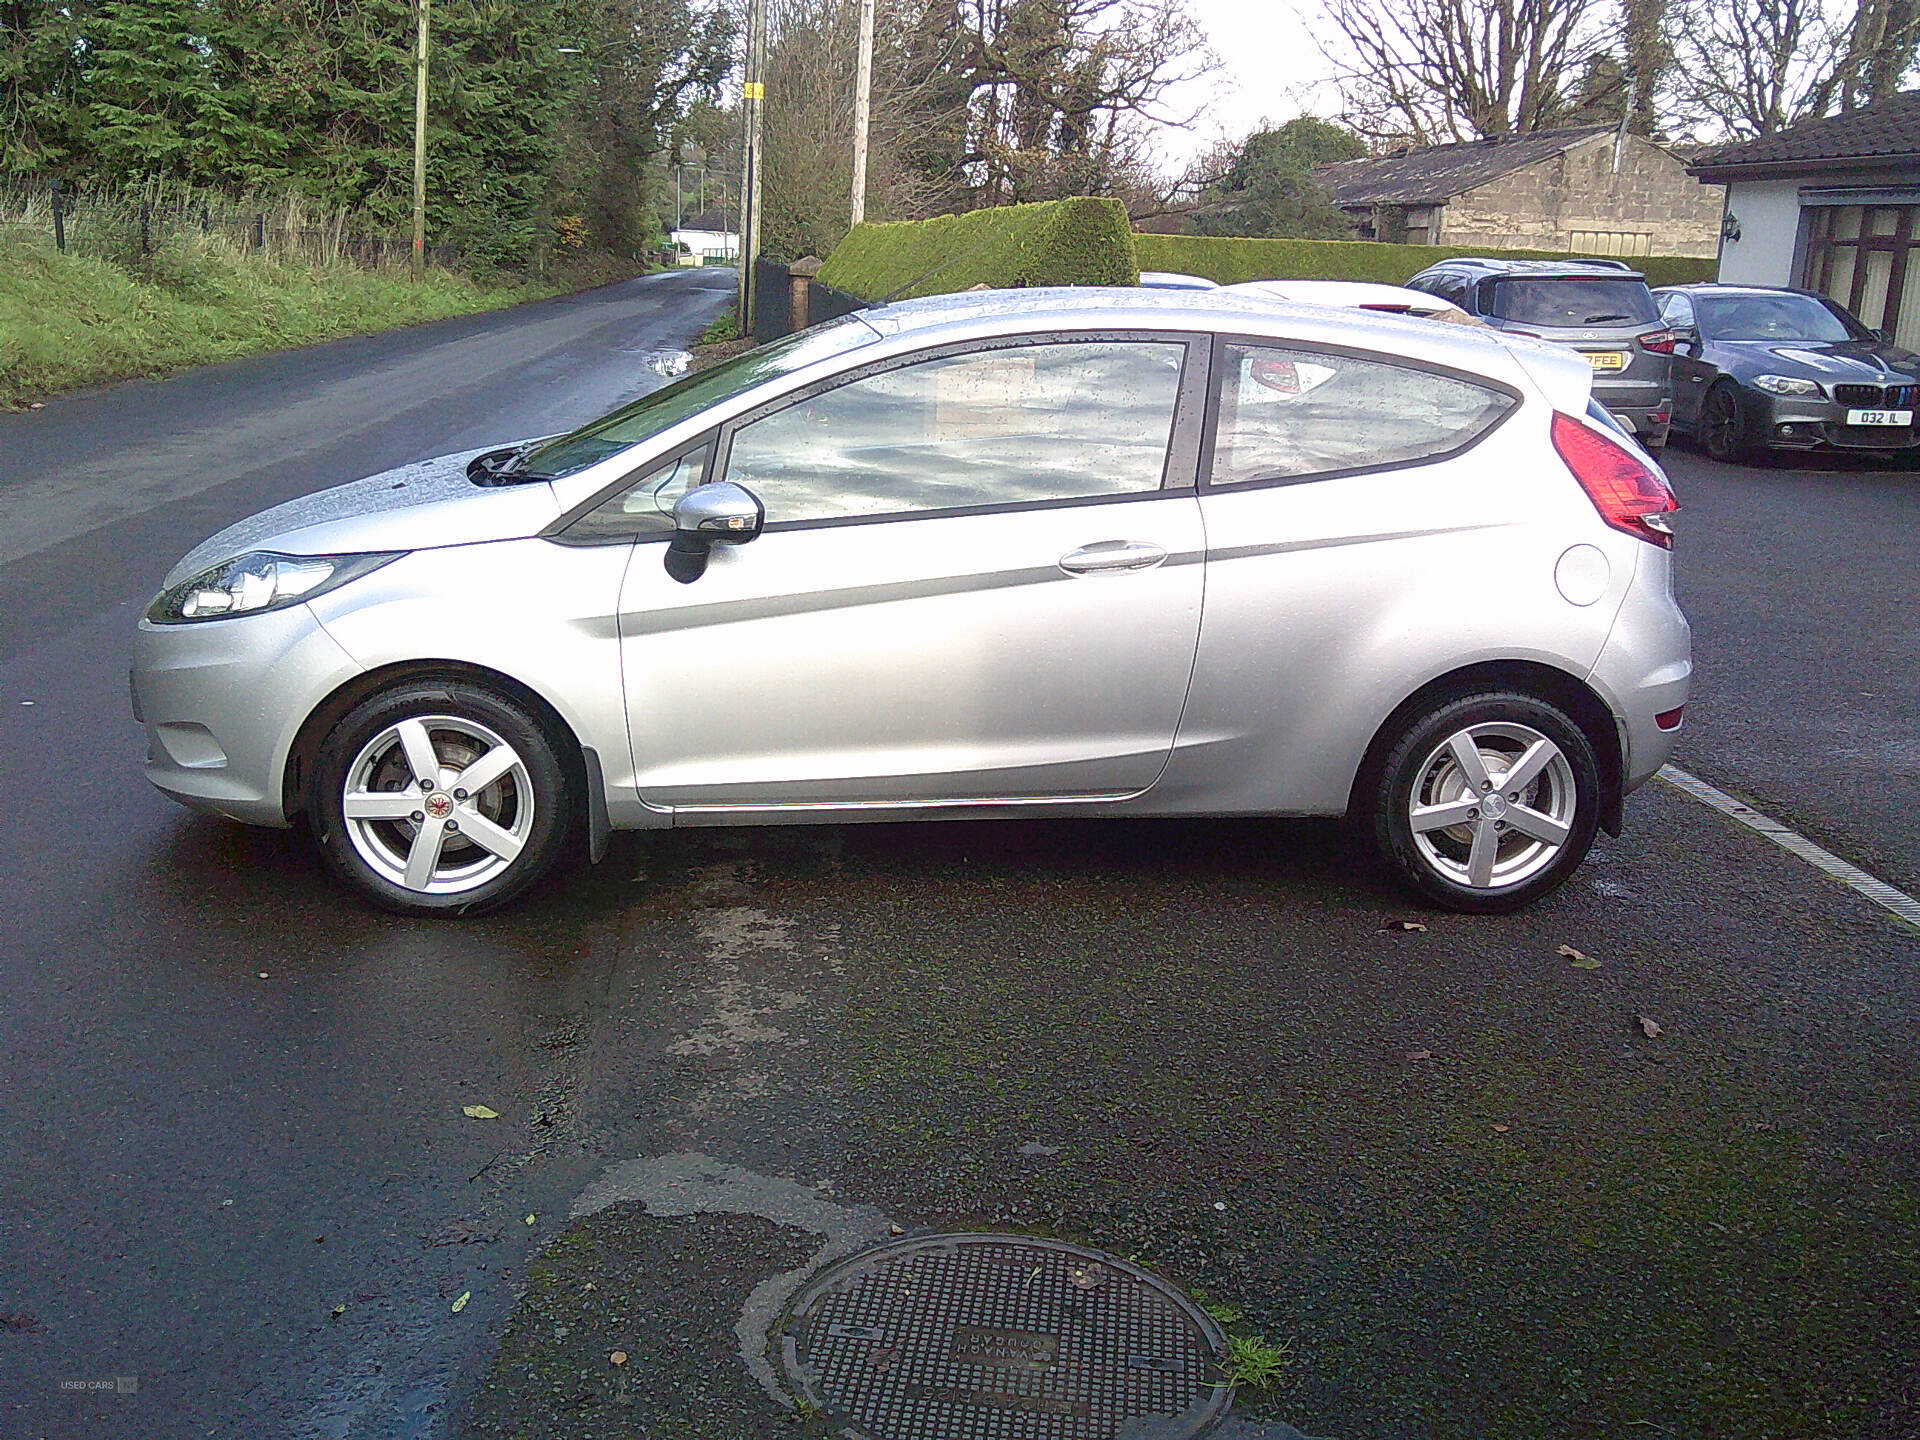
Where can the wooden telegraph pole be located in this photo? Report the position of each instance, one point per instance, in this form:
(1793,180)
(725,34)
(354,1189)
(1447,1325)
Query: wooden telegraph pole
(420,139)
(862,107)
(753,95)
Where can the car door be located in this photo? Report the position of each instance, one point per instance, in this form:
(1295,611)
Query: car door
(979,580)
(1693,374)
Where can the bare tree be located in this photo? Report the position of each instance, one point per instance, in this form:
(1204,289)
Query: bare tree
(1757,66)
(1761,65)
(1437,70)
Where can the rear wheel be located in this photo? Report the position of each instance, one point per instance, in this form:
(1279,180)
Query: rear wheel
(1721,428)
(1487,802)
(437,798)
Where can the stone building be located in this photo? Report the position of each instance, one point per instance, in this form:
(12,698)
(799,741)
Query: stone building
(1592,190)
(1831,205)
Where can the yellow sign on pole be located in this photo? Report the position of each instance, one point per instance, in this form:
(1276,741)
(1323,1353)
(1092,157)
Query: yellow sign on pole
(753,90)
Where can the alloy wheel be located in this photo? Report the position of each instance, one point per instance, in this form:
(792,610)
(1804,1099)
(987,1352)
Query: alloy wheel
(438,804)
(1492,805)
(1720,424)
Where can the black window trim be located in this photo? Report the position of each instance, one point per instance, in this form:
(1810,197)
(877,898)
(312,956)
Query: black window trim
(556,531)
(1404,362)
(1183,442)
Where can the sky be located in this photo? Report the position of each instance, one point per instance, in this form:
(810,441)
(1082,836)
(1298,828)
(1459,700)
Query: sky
(1270,69)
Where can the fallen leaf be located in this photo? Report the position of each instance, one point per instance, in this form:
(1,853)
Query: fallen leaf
(479,1112)
(1501,1129)
(530,1219)
(461,1303)
(618,1357)
(263,974)
(1413,926)
(1648,1026)
(338,1311)
(1577,960)
(36,405)
(1419,1054)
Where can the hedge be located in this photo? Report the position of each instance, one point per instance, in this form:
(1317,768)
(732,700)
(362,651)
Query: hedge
(1059,242)
(1230,260)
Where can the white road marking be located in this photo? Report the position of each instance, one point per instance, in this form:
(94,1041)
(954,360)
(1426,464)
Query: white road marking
(1895,901)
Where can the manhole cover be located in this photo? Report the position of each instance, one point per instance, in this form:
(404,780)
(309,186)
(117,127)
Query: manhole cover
(1001,1338)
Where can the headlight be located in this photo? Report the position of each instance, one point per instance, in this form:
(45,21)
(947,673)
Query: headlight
(256,582)
(1786,385)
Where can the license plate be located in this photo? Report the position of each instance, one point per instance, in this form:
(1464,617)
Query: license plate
(1880,417)
(1606,359)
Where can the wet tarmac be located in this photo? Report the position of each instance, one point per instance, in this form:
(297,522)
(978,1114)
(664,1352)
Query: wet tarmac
(1456,1177)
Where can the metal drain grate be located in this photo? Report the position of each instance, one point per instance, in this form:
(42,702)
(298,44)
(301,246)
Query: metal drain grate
(996,1337)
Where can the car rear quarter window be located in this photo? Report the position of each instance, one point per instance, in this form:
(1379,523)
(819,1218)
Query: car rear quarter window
(1004,426)
(1572,302)
(1288,415)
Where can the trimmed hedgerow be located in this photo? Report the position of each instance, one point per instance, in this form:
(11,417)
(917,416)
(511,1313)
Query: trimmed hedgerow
(1230,260)
(1084,241)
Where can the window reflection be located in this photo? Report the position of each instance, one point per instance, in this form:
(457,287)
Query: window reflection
(997,427)
(1290,414)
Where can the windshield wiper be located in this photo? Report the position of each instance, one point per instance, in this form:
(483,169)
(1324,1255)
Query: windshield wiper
(1596,319)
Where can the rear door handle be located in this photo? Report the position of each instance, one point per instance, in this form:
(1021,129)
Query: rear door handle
(1105,557)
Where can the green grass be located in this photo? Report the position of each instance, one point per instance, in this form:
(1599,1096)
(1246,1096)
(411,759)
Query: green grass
(66,320)
(1252,1362)
(720,329)
(1232,260)
(1058,242)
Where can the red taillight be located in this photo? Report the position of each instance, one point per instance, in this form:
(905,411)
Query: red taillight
(1629,494)
(1660,342)
(1670,719)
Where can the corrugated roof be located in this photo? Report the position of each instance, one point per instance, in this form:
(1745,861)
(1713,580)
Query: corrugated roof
(1440,172)
(1888,130)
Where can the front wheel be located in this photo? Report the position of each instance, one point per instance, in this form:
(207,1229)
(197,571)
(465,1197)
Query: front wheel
(1488,802)
(437,798)
(1721,427)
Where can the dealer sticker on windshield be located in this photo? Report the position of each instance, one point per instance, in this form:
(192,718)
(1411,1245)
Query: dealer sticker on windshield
(1880,417)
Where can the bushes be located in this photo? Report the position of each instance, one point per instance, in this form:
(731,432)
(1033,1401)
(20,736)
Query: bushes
(1230,261)
(1059,242)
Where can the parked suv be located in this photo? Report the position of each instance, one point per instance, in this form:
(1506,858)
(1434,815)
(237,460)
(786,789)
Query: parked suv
(1601,308)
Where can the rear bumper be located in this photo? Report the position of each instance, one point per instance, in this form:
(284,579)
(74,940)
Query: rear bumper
(1645,669)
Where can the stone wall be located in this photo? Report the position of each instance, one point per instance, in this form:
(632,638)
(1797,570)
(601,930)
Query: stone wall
(1544,206)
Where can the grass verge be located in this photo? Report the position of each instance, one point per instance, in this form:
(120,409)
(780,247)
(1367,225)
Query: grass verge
(66,320)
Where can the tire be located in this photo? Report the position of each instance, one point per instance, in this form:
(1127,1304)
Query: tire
(1487,864)
(1721,427)
(371,815)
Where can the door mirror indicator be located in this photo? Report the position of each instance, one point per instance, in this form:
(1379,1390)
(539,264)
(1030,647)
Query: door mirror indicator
(721,513)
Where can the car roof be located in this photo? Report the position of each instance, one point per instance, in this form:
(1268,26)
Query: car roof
(974,314)
(1543,268)
(1714,287)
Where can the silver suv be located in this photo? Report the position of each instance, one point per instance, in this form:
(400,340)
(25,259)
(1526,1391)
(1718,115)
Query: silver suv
(1601,308)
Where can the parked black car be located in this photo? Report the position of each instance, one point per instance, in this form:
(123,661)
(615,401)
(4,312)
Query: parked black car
(1761,368)
(1602,308)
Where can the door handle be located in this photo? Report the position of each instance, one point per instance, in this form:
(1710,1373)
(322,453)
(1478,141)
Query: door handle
(1105,557)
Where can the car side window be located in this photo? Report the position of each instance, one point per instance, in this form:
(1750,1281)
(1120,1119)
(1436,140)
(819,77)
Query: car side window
(1290,415)
(1677,312)
(1454,290)
(1037,422)
(645,506)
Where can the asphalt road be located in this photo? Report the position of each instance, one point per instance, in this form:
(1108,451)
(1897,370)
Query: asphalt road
(1453,1171)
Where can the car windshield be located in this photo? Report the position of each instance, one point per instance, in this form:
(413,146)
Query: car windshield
(1770,317)
(688,396)
(1574,300)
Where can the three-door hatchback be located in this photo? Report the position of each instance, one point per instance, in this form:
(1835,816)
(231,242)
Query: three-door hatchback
(1073,552)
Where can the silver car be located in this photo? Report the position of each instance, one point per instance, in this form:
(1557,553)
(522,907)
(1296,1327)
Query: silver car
(1074,552)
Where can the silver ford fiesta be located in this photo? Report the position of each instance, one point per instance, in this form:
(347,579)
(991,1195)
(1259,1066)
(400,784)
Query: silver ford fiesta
(1073,552)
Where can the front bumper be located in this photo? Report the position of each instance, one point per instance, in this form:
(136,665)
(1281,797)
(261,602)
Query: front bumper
(1812,422)
(222,702)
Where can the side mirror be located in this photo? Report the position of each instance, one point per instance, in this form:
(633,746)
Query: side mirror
(1884,335)
(707,515)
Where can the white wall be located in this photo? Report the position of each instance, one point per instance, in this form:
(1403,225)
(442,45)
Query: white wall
(1769,216)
